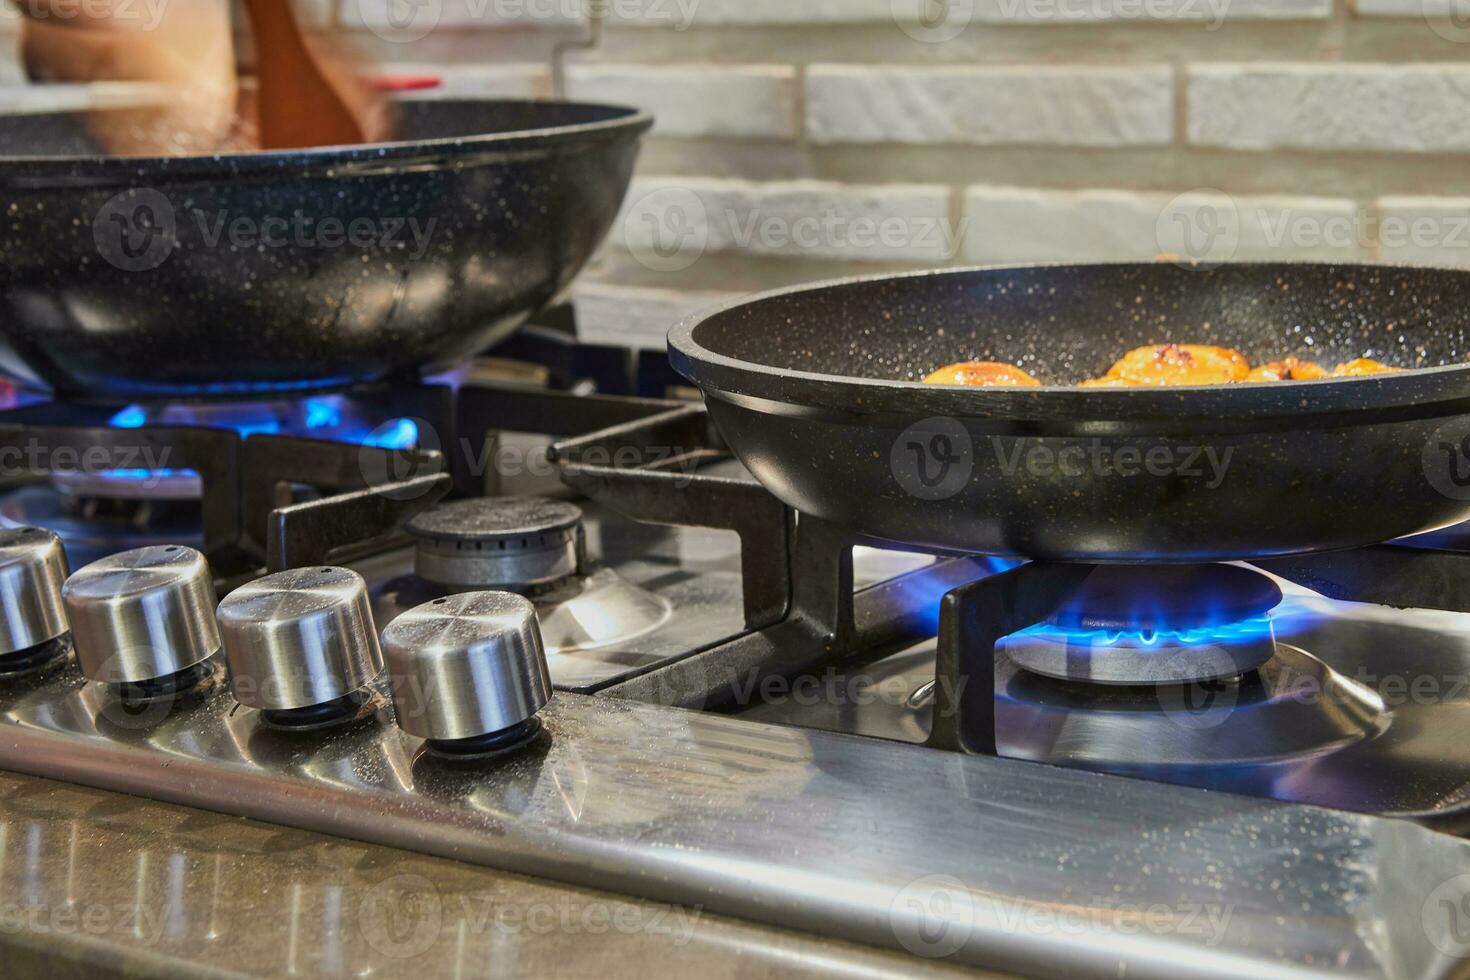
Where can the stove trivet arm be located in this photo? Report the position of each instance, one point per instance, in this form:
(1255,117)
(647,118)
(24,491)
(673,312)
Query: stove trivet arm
(271,464)
(972,620)
(1384,574)
(661,486)
(311,533)
(483,412)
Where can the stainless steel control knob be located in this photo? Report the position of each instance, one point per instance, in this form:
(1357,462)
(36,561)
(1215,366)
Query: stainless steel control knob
(468,671)
(143,616)
(299,640)
(32,572)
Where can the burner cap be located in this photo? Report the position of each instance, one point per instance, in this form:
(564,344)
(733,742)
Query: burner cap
(495,519)
(515,543)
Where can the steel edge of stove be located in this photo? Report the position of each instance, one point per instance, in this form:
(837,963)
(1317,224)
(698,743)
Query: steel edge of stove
(800,613)
(726,826)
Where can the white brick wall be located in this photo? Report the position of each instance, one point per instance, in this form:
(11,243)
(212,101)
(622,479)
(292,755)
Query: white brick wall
(1185,11)
(1038,105)
(1424,230)
(1402,8)
(796,219)
(1014,224)
(698,101)
(851,136)
(1410,108)
(510,81)
(636,317)
(1017,224)
(711,13)
(752,12)
(417,21)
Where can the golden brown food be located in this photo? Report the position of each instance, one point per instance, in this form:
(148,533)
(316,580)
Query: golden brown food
(1361,366)
(1181,364)
(1164,364)
(982,373)
(1288,369)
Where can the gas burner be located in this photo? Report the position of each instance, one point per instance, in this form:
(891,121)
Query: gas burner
(328,417)
(1152,625)
(518,544)
(95,527)
(146,488)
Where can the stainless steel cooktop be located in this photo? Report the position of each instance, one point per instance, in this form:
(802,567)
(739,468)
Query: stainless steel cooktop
(656,680)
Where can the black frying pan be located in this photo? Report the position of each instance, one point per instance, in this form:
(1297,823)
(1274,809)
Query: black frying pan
(817,391)
(194,276)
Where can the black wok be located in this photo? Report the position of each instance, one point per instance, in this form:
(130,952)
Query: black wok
(817,391)
(197,276)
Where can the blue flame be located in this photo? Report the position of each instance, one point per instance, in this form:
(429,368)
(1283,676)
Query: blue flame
(246,420)
(398,434)
(1244,631)
(322,413)
(924,594)
(1287,619)
(321,417)
(131,417)
(324,418)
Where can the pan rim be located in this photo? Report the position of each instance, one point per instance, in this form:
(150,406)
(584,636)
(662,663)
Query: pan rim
(76,169)
(717,373)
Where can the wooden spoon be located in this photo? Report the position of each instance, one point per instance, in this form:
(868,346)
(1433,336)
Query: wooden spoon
(299,104)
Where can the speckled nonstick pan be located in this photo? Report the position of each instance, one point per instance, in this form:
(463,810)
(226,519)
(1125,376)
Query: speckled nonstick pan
(194,276)
(816,390)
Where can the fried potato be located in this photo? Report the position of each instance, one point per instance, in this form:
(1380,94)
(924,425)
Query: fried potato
(982,373)
(1361,366)
(1181,364)
(1164,364)
(1288,369)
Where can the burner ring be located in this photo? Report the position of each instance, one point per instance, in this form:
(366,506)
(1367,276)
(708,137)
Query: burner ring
(1155,625)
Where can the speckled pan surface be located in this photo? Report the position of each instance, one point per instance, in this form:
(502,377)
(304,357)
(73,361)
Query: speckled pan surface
(862,345)
(816,389)
(128,278)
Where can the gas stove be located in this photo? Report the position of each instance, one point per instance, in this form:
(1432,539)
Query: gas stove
(538,618)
